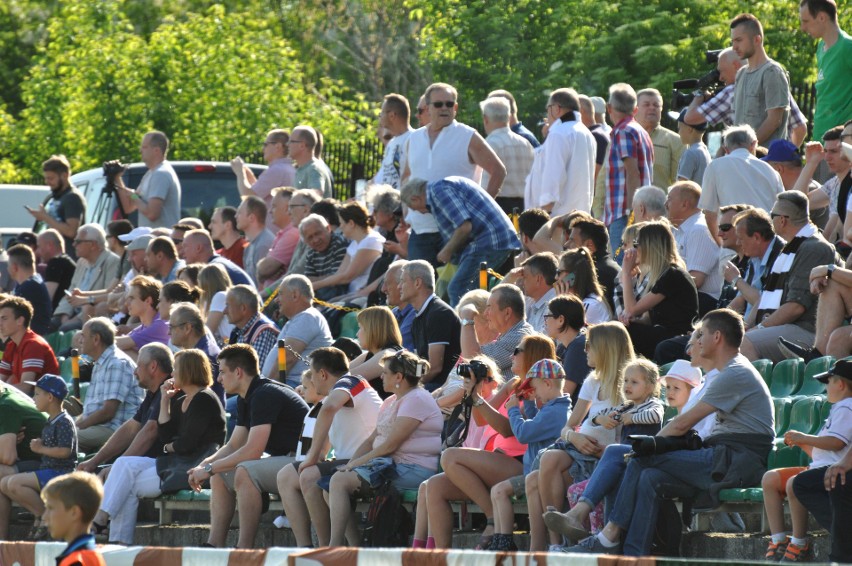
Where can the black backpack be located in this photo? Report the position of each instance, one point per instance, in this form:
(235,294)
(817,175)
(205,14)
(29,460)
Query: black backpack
(389,524)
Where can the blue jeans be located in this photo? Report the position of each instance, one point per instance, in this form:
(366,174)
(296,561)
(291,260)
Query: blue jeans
(616,231)
(231,410)
(425,246)
(467,274)
(637,497)
(606,479)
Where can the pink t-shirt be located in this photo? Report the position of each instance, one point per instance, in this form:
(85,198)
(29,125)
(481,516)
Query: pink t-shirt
(508,445)
(282,249)
(423,447)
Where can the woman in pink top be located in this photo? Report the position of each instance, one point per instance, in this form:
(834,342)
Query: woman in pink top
(408,431)
(471,472)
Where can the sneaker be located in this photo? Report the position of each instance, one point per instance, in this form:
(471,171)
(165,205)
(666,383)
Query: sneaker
(775,551)
(555,548)
(591,545)
(796,553)
(792,350)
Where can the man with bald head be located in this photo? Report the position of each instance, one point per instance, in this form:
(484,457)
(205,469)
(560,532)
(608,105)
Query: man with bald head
(198,248)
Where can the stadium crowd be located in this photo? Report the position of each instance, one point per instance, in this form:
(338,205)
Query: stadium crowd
(218,348)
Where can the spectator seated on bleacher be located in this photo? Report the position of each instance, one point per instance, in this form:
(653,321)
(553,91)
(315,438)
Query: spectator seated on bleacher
(187,331)
(566,325)
(29,286)
(113,395)
(301,205)
(681,380)
(21,420)
(826,449)
(96,266)
(137,436)
(535,277)
(198,248)
(404,446)
(27,356)
(475,472)
(787,308)
(59,267)
(214,283)
(506,312)
(326,251)
(364,249)
(379,336)
(191,424)
(451,392)
(734,453)
(436,326)
(306,329)
(402,310)
(143,297)
(638,279)
(577,276)
(269,420)
(346,420)
(57,447)
(161,259)
(578,450)
(671,298)
(476,436)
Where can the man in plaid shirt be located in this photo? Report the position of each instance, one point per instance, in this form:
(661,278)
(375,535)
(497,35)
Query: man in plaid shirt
(472,225)
(719,109)
(631,160)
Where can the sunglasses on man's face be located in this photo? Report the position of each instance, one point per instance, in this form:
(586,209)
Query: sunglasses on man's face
(725,227)
(443,103)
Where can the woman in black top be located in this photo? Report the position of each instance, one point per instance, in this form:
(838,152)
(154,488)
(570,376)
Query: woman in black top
(670,306)
(191,421)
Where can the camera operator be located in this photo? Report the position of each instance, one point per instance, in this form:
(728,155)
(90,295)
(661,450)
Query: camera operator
(158,196)
(734,454)
(718,108)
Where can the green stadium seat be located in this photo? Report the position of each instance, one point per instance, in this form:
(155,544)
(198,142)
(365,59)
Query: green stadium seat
(824,411)
(67,340)
(787,377)
(349,325)
(54,338)
(782,414)
(764,367)
(664,369)
(786,456)
(804,415)
(811,386)
(670,413)
(65,369)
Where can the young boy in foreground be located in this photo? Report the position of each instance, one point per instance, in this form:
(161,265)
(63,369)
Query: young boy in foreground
(70,504)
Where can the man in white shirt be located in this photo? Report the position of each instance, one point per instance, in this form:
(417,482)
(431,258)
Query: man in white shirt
(395,117)
(739,177)
(565,175)
(515,152)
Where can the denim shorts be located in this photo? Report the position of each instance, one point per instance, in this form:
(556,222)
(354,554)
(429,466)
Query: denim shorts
(410,476)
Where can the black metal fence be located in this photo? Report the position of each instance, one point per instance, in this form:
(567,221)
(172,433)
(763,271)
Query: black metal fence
(352,161)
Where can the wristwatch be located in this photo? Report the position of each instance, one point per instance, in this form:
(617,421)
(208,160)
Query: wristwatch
(829,270)
(735,281)
(479,402)
(466,322)
(208,467)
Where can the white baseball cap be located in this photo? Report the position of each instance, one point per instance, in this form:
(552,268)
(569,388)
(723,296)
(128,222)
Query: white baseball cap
(135,233)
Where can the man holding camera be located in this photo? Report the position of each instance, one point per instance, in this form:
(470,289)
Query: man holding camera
(734,454)
(718,108)
(157,198)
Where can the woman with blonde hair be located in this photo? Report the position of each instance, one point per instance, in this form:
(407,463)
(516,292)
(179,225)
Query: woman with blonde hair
(639,279)
(671,303)
(214,283)
(474,472)
(609,350)
(577,276)
(378,335)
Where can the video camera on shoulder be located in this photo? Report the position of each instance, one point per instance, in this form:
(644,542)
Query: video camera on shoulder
(708,82)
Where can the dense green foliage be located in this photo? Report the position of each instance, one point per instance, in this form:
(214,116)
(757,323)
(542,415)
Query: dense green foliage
(88,77)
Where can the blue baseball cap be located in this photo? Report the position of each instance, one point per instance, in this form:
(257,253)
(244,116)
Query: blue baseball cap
(781,151)
(51,383)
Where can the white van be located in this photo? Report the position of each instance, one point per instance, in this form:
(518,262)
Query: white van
(14,218)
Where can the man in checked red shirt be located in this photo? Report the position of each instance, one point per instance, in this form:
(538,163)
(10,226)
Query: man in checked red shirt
(631,160)
(27,355)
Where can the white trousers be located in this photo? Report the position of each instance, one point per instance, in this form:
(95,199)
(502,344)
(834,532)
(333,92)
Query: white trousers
(130,478)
